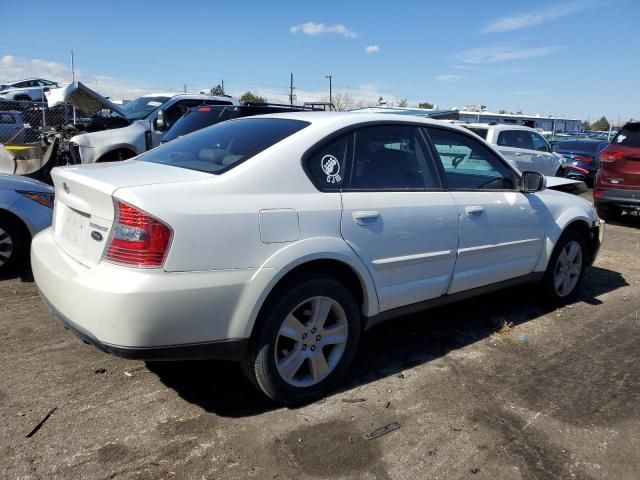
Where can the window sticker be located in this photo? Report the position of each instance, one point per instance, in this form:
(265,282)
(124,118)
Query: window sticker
(621,138)
(153,103)
(331,168)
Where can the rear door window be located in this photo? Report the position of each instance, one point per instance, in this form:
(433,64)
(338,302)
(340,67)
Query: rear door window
(629,136)
(515,139)
(392,157)
(221,147)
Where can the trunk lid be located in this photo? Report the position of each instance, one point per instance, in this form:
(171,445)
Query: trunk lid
(84,211)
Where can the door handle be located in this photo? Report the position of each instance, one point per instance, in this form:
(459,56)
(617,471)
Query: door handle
(365,217)
(474,210)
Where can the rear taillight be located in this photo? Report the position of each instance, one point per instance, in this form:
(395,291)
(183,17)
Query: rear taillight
(582,158)
(137,239)
(610,156)
(597,193)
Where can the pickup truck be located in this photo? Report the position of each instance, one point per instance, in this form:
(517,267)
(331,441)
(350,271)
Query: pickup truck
(523,147)
(139,124)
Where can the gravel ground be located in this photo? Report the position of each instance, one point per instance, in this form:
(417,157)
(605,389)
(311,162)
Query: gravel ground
(495,387)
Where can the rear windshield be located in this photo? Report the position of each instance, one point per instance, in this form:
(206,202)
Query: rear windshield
(479,131)
(584,147)
(629,136)
(220,147)
(195,119)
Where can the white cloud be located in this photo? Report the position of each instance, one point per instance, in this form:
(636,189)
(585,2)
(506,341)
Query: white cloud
(462,67)
(372,49)
(314,29)
(16,68)
(533,18)
(448,78)
(503,53)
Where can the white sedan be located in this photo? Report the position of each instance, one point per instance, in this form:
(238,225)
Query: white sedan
(276,240)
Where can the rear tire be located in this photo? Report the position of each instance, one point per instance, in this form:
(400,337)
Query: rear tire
(565,271)
(305,340)
(609,212)
(14,244)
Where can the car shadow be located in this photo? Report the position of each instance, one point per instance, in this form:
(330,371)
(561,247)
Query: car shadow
(221,388)
(23,274)
(627,220)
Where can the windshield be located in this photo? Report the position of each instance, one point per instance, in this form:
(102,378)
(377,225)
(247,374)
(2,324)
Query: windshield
(196,119)
(221,147)
(141,107)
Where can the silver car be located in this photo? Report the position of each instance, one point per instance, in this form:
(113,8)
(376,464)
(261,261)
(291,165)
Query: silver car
(30,90)
(26,207)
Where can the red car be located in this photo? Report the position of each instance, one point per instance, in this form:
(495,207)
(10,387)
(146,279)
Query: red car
(617,186)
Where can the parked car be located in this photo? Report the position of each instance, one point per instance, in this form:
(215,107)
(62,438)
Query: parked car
(141,123)
(581,158)
(523,146)
(203,116)
(12,129)
(276,240)
(617,186)
(25,209)
(30,90)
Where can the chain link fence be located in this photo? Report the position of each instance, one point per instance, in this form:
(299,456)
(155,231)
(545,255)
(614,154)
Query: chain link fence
(23,123)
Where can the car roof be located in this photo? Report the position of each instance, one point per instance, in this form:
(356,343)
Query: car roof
(345,119)
(499,126)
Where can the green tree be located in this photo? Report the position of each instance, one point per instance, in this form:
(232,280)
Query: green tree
(403,103)
(426,105)
(217,90)
(601,125)
(586,126)
(250,97)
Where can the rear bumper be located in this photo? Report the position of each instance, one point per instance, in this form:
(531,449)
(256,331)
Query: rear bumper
(618,197)
(223,349)
(145,314)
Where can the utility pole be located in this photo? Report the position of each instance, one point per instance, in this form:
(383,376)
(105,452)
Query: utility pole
(73,71)
(185,88)
(329,76)
(291,90)
(223,86)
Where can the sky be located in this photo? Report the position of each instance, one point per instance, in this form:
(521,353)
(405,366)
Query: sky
(575,58)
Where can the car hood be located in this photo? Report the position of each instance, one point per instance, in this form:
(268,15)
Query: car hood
(82,97)
(16,182)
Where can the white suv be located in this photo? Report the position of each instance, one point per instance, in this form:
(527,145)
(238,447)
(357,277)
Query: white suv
(145,119)
(276,240)
(524,147)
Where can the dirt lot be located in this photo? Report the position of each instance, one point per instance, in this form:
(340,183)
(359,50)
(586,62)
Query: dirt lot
(554,395)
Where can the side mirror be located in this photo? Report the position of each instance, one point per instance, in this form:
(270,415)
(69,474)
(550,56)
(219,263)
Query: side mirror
(159,122)
(533,182)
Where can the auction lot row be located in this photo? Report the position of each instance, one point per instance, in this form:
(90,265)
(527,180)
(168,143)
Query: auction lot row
(494,387)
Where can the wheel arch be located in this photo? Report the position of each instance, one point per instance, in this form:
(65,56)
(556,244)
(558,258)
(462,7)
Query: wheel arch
(570,220)
(125,150)
(4,213)
(267,281)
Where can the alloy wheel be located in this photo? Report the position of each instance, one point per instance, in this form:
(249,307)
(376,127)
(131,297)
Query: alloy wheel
(6,246)
(568,269)
(311,341)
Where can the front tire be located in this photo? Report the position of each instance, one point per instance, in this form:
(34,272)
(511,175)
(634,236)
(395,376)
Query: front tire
(565,271)
(306,341)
